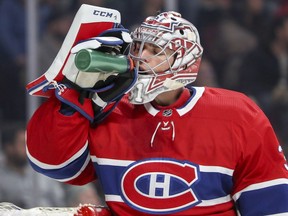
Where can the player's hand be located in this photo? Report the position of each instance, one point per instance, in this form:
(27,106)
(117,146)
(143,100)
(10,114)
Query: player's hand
(119,85)
(107,86)
(90,93)
(107,44)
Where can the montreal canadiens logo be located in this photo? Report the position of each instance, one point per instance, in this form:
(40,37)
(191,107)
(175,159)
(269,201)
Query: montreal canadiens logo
(160,186)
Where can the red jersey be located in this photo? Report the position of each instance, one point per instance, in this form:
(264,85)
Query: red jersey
(213,152)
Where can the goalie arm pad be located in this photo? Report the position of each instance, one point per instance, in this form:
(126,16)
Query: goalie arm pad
(57,145)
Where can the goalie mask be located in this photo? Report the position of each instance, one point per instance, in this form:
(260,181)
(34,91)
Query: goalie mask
(178,41)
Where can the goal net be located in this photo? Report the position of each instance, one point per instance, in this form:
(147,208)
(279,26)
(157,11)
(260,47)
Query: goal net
(9,209)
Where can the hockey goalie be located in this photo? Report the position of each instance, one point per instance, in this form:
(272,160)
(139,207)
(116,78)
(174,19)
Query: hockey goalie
(122,109)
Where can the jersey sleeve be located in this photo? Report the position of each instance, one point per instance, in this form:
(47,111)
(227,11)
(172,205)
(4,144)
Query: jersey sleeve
(57,145)
(261,176)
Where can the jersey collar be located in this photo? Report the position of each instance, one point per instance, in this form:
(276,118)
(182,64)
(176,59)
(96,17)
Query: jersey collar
(184,104)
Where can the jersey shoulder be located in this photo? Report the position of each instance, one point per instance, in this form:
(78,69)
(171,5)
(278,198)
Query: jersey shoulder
(228,104)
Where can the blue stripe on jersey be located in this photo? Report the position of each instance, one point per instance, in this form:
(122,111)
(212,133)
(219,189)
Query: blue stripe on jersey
(65,172)
(211,186)
(264,201)
(110,176)
(216,185)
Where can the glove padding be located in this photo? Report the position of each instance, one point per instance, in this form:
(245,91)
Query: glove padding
(90,93)
(105,44)
(98,102)
(118,86)
(97,42)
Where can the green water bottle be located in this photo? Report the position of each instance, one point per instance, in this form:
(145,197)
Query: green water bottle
(88,60)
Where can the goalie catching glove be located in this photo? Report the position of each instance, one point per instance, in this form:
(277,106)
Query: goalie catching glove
(95,93)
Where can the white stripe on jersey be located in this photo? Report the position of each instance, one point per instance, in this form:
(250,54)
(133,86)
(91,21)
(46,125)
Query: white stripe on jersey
(216,201)
(78,173)
(221,200)
(260,186)
(113,198)
(59,166)
(111,162)
(281,214)
(125,163)
(216,169)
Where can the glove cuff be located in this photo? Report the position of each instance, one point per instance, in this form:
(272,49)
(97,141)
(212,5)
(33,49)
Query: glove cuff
(70,97)
(98,101)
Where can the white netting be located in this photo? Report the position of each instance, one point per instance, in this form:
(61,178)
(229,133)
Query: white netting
(9,209)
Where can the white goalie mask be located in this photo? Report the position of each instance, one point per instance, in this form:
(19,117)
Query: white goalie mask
(167,31)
